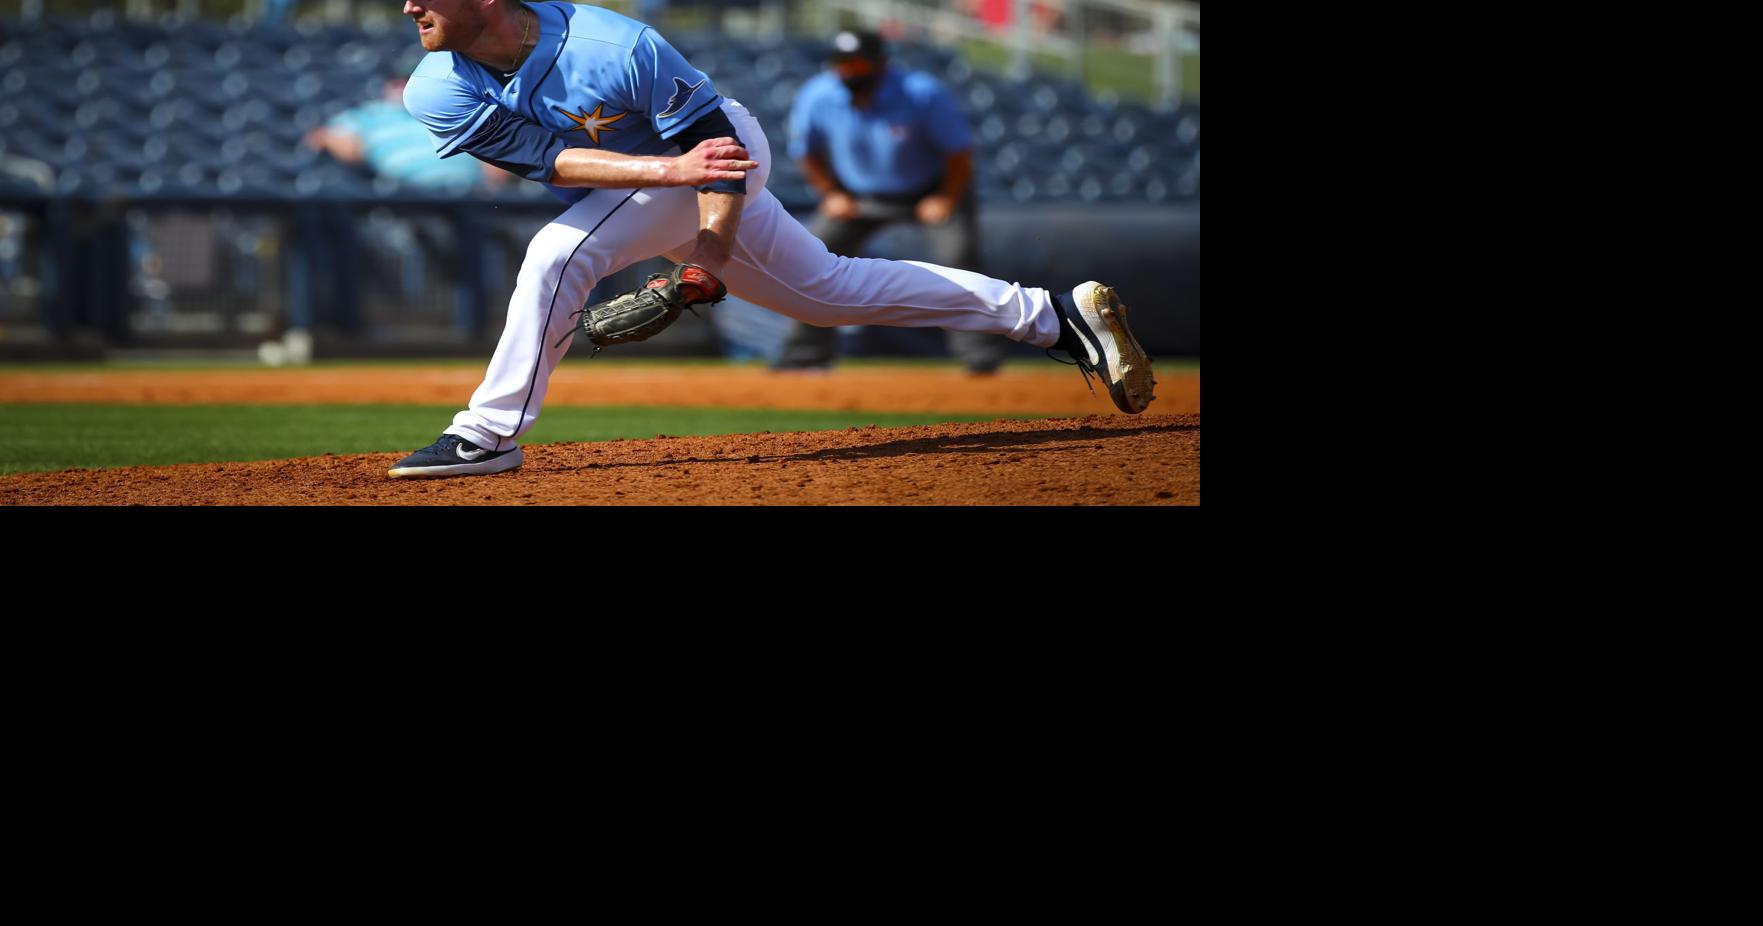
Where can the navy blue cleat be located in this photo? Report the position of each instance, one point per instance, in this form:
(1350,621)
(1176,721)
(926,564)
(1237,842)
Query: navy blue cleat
(1108,349)
(453,455)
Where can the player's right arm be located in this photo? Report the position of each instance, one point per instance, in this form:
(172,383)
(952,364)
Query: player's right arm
(713,159)
(460,123)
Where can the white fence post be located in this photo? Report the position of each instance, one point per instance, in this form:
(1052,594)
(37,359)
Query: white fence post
(1020,68)
(1167,71)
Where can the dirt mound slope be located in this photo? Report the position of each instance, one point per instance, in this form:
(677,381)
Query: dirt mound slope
(1097,460)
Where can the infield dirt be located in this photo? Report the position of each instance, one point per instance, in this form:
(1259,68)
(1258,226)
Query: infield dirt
(1101,458)
(1147,460)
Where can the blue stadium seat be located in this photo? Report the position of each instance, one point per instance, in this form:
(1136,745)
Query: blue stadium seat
(169,107)
(250,113)
(1008,158)
(227,56)
(1184,131)
(1142,159)
(1059,130)
(306,87)
(267,40)
(170,113)
(252,180)
(204,33)
(153,181)
(29,144)
(153,151)
(993,130)
(97,114)
(1187,186)
(329,179)
(1123,186)
(188,180)
(980,97)
(155,55)
(235,85)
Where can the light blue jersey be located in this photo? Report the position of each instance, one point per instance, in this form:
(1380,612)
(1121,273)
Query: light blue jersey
(595,79)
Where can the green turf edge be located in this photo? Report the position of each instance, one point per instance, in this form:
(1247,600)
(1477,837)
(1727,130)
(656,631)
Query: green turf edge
(49,437)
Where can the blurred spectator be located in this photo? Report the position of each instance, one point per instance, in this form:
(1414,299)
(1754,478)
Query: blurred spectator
(384,137)
(882,144)
(1000,15)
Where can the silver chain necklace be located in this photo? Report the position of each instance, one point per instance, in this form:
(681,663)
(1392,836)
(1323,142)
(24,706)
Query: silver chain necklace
(522,52)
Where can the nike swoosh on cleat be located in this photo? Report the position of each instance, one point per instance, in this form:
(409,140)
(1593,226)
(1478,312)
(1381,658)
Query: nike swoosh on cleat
(469,456)
(1087,339)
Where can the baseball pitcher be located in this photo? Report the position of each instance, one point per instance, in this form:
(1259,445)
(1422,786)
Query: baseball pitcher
(651,160)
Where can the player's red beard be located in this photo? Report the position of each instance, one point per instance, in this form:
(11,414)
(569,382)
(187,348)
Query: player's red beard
(446,25)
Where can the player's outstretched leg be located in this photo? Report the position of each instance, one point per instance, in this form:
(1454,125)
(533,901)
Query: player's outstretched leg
(778,264)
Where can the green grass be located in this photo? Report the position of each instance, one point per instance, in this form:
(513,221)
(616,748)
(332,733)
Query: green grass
(1131,76)
(52,437)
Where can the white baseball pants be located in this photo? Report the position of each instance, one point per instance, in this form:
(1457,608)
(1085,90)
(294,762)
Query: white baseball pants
(775,263)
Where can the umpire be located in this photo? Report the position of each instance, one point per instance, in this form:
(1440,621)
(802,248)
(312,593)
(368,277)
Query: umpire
(882,145)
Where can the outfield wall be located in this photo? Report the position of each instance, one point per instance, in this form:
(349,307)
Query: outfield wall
(430,277)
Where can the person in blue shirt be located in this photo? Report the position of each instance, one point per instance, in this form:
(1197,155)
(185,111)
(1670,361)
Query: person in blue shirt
(882,145)
(382,135)
(650,159)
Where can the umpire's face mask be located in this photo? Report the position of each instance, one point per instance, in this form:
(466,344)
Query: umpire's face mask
(859,75)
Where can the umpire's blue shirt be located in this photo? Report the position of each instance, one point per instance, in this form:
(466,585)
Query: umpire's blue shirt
(895,147)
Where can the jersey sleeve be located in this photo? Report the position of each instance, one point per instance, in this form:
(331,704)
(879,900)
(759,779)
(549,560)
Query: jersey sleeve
(944,124)
(805,137)
(515,144)
(448,110)
(713,124)
(667,88)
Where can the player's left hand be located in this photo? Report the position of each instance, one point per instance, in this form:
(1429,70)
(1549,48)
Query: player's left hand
(641,315)
(713,159)
(935,209)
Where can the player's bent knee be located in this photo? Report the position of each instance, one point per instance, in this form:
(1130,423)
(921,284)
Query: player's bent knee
(550,251)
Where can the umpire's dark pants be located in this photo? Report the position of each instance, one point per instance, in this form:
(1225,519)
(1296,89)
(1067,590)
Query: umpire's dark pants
(952,244)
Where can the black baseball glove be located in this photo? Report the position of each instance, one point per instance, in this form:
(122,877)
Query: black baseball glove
(643,314)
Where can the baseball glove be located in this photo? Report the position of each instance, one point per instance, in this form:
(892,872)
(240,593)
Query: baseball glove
(641,315)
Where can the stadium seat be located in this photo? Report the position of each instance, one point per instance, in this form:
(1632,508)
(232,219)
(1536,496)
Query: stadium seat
(1058,130)
(175,107)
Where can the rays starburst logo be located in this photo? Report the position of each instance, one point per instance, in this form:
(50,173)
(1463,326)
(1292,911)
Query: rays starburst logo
(594,123)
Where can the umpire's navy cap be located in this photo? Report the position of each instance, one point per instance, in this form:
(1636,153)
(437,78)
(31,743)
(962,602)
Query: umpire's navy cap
(854,43)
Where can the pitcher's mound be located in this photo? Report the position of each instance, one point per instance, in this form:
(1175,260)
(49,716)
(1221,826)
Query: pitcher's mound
(1099,460)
